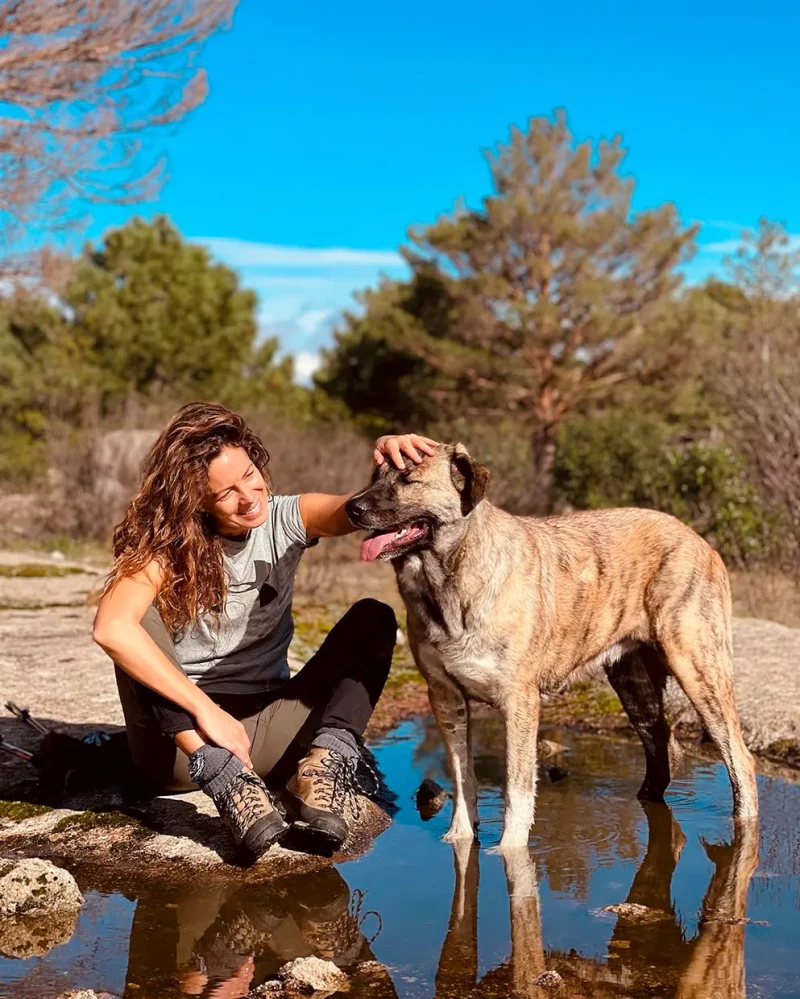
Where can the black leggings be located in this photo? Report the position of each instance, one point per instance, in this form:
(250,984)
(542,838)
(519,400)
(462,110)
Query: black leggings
(337,688)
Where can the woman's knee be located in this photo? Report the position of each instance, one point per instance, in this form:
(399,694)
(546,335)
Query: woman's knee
(375,618)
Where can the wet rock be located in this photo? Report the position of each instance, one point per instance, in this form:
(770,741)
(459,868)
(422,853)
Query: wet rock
(312,974)
(550,980)
(547,748)
(371,968)
(86,994)
(175,836)
(373,979)
(430,798)
(36,887)
(639,913)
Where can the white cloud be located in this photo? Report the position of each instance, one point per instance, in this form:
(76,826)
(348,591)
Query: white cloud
(302,291)
(311,321)
(305,364)
(245,253)
(267,281)
(726,247)
(723,247)
(712,256)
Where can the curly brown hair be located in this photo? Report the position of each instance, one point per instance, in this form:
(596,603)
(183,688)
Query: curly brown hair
(165,521)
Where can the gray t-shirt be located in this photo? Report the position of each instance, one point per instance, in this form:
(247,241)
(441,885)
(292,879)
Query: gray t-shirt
(244,650)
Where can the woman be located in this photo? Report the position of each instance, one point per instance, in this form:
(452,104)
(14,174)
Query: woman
(197,618)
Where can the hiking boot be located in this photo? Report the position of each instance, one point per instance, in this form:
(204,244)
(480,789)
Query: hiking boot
(248,810)
(330,918)
(316,795)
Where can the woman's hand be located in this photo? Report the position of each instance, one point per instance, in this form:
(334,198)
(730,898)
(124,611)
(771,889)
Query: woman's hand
(224,730)
(396,445)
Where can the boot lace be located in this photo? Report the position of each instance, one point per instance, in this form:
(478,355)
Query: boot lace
(244,800)
(340,939)
(335,783)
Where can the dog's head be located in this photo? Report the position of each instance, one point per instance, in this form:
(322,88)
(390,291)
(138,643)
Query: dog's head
(404,508)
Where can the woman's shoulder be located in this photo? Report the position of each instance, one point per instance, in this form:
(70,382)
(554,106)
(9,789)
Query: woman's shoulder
(285,521)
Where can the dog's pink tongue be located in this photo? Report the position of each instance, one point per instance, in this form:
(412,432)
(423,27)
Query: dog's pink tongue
(372,547)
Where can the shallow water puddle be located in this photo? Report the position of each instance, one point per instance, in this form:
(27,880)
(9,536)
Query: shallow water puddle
(708,915)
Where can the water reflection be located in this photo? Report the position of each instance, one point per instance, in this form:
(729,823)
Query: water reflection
(648,952)
(592,840)
(220,942)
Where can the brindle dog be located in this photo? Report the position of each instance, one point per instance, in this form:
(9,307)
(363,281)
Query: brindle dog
(503,608)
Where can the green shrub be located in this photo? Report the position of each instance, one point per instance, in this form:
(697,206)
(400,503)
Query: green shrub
(631,459)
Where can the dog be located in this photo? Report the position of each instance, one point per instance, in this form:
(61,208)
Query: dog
(503,608)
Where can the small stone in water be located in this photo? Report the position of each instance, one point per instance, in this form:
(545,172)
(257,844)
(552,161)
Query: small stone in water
(312,974)
(632,910)
(430,798)
(550,980)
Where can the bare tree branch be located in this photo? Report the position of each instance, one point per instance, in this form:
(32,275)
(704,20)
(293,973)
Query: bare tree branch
(80,82)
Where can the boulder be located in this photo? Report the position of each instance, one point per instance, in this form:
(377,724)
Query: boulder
(35,887)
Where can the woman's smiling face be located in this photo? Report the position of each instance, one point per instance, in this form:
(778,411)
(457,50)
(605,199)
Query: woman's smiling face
(237,493)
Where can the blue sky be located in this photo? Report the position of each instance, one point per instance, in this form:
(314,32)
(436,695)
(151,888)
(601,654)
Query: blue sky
(330,128)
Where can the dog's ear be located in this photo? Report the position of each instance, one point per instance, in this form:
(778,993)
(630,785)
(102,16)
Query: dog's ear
(469,478)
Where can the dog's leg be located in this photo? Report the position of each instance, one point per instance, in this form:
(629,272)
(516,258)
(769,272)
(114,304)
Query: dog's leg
(698,657)
(639,679)
(716,967)
(458,963)
(527,949)
(451,710)
(522,724)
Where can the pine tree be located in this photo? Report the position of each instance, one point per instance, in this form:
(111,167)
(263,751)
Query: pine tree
(538,301)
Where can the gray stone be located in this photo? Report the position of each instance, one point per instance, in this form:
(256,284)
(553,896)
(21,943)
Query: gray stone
(550,980)
(86,994)
(639,913)
(312,974)
(37,887)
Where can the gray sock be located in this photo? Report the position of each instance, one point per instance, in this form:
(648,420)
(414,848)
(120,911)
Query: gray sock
(339,740)
(213,768)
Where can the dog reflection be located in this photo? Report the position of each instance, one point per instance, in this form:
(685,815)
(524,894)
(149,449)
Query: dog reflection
(457,974)
(648,949)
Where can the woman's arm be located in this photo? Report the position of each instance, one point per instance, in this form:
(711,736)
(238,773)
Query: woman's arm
(118,631)
(323,514)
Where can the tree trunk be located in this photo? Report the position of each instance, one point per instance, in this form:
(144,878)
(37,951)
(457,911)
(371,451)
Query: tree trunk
(539,498)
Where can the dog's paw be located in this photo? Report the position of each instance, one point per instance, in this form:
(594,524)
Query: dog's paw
(509,845)
(458,834)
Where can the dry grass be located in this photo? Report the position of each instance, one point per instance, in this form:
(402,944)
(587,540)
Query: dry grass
(767,594)
(95,469)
